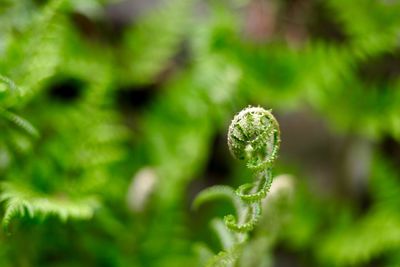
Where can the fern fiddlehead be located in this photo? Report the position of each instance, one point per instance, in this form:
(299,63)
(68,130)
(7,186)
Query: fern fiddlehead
(253,136)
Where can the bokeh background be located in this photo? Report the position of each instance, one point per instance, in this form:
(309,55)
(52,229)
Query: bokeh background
(114,114)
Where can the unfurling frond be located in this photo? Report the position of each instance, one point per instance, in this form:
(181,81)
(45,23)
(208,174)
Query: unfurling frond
(253,136)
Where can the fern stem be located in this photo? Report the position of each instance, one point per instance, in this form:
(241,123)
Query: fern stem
(262,187)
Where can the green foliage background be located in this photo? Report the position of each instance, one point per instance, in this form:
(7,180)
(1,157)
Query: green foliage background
(88,100)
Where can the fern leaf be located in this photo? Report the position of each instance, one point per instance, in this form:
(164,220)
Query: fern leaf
(20,122)
(21,201)
(14,207)
(36,52)
(9,92)
(356,244)
(156,39)
(220,191)
(204,254)
(226,237)
(11,85)
(226,258)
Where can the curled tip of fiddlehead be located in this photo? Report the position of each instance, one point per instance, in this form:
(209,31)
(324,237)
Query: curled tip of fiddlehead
(254,136)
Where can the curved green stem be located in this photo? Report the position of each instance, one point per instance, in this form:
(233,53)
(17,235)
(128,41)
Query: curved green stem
(254,216)
(263,185)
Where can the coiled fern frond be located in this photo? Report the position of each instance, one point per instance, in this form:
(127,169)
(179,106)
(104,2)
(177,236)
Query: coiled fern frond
(254,137)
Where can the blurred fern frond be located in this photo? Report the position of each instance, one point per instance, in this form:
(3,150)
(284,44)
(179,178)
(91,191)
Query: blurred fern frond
(34,53)
(20,122)
(21,201)
(156,39)
(373,235)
